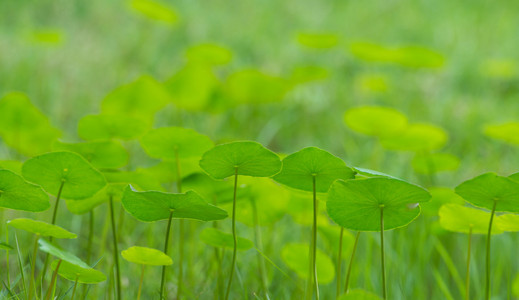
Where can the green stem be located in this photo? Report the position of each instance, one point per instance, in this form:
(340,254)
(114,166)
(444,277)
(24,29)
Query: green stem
(487,285)
(384,296)
(314,242)
(258,241)
(467,279)
(166,244)
(116,249)
(140,283)
(348,274)
(90,236)
(54,276)
(33,266)
(235,238)
(7,258)
(181,233)
(74,289)
(339,265)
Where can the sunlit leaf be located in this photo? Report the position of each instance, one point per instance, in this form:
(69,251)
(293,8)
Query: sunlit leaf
(435,162)
(210,54)
(505,132)
(218,238)
(156,11)
(375,120)
(295,256)
(459,218)
(146,256)
(318,40)
(41,228)
(417,137)
(16,193)
(74,272)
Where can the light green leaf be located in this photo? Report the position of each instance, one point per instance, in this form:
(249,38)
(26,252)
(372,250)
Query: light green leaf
(459,218)
(243,158)
(175,142)
(255,87)
(435,162)
(357,204)
(506,132)
(209,54)
(318,40)
(218,238)
(153,206)
(358,294)
(53,250)
(295,256)
(417,138)
(375,120)
(156,11)
(16,193)
(14,166)
(508,222)
(112,126)
(146,256)
(363,172)
(41,228)
(74,272)
(308,73)
(101,154)
(439,197)
(113,190)
(80,180)
(301,167)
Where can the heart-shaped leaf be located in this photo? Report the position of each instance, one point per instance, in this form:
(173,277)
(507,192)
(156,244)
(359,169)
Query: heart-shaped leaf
(300,169)
(64,169)
(41,228)
(241,158)
(357,204)
(146,256)
(16,193)
(153,206)
(295,256)
(175,142)
(74,272)
(459,218)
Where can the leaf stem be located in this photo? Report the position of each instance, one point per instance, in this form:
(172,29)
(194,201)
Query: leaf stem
(166,243)
(74,289)
(467,279)
(116,249)
(235,238)
(487,285)
(181,232)
(339,265)
(33,266)
(258,241)
(315,284)
(90,235)
(384,296)
(53,281)
(58,197)
(348,274)
(140,283)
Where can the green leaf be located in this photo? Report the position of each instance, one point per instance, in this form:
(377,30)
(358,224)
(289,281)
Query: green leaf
(23,127)
(166,170)
(79,207)
(243,158)
(112,126)
(154,206)
(59,253)
(417,138)
(376,121)
(508,222)
(172,142)
(301,167)
(156,11)
(209,54)
(515,286)
(295,256)
(363,172)
(47,36)
(146,256)
(218,238)
(489,188)
(318,40)
(41,228)
(358,294)
(459,218)
(141,98)
(255,87)
(74,272)
(16,193)
(102,154)
(308,73)
(506,132)
(14,166)
(439,197)
(142,179)
(80,180)
(500,69)
(435,162)
(6,247)
(357,204)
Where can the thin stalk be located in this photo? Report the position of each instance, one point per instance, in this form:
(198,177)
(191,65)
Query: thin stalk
(140,283)
(339,265)
(348,274)
(90,236)
(53,281)
(467,279)
(314,242)
(235,238)
(166,244)
(116,249)
(258,241)
(181,233)
(33,266)
(487,285)
(74,289)
(7,258)
(384,296)
(219,279)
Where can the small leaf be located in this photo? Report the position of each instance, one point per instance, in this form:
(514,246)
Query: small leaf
(210,54)
(218,238)
(376,121)
(508,222)
(243,158)
(41,228)
(488,189)
(295,256)
(417,138)
(301,167)
(16,193)
(155,11)
(459,218)
(154,206)
(61,254)
(308,73)
(80,180)
(172,142)
(146,256)
(74,272)
(357,204)
(435,162)
(255,87)
(112,126)
(505,132)
(103,154)
(320,40)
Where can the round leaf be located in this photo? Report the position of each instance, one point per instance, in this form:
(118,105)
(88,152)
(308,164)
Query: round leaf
(243,158)
(508,222)
(417,137)
(301,167)
(295,256)
(375,120)
(488,189)
(357,204)
(16,193)
(146,256)
(73,272)
(154,206)
(80,180)
(41,228)
(168,142)
(218,238)
(103,154)
(459,218)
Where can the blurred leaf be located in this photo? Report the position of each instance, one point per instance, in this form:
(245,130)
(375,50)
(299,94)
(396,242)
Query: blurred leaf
(175,142)
(372,83)
(146,256)
(505,132)
(308,73)
(209,54)
(41,228)
(101,154)
(16,193)
(59,253)
(14,166)
(155,11)
(115,126)
(74,272)
(358,294)
(254,87)
(375,120)
(431,163)
(321,40)
(114,190)
(459,218)
(47,36)
(218,238)
(417,138)
(503,69)
(295,256)
(440,196)
(508,222)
